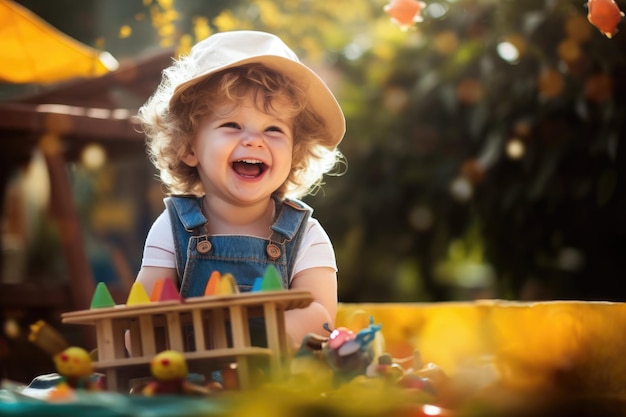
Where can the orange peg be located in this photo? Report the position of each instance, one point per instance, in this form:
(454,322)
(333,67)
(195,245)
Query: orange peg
(155,295)
(213,284)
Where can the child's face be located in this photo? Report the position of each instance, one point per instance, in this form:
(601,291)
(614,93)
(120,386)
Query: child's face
(242,154)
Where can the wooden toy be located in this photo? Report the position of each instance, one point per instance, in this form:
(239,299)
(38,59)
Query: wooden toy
(216,328)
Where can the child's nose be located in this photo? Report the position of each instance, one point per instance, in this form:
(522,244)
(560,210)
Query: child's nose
(252,139)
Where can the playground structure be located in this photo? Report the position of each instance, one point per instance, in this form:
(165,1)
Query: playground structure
(221,333)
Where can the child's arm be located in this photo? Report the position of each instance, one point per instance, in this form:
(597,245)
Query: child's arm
(149,275)
(322,283)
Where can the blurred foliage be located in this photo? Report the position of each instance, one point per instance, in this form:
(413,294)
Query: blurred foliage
(476,165)
(483,143)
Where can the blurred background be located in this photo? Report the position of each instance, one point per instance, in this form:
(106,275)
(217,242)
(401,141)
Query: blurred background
(484,146)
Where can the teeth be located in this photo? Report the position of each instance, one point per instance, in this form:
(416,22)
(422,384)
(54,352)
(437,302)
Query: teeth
(250,161)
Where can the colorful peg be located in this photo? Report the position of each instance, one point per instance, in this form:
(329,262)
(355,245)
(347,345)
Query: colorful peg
(155,295)
(271,279)
(169,292)
(137,295)
(228,285)
(258,285)
(102,297)
(213,284)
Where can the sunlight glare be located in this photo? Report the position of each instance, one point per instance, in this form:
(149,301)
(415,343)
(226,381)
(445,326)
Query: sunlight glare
(353,51)
(436,10)
(431,410)
(508,52)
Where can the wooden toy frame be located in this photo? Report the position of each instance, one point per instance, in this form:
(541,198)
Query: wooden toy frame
(157,326)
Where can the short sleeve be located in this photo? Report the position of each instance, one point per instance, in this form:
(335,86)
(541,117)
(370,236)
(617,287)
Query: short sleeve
(159,247)
(316,249)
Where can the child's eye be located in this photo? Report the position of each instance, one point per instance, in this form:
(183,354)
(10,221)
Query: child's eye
(274,129)
(233,125)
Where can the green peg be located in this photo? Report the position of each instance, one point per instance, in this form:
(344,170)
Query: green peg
(102,297)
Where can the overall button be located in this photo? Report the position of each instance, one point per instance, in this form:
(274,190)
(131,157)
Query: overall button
(273,251)
(204,246)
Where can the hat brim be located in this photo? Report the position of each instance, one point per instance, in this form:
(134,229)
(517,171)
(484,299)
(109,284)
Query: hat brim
(321,98)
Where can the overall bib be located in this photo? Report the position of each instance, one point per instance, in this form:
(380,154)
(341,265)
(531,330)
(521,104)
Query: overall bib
(245,257)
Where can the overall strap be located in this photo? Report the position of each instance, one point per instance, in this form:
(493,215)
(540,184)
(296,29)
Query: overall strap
(289,228)
(188,210)
(187,220)
(292,215)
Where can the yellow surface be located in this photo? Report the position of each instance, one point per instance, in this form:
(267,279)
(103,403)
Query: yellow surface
(526,345)
(32,51)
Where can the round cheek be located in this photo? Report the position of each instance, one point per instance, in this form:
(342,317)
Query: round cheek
(288,159)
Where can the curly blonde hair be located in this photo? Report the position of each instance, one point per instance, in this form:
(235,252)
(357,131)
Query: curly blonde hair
(170,119)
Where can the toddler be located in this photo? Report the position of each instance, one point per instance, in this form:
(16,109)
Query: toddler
(239,129)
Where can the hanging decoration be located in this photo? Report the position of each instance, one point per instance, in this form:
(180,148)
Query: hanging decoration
(604,15)
(405,13)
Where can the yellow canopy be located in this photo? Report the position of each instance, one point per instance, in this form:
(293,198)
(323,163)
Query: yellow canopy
(32,51)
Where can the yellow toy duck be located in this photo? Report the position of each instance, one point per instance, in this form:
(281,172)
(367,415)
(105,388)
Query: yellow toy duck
(169,370)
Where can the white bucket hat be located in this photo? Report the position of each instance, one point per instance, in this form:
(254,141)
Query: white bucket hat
(231,49)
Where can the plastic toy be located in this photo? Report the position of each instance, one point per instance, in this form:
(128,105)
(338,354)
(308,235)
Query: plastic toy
(75,367)
(348,354)
(137,295)
(384,367)
(102,297)
(169,370)
(73,364)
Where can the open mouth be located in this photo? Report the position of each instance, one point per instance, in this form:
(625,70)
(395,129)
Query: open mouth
(249,168)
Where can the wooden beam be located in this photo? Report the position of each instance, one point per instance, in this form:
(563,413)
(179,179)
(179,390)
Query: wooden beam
(82,285)
(77,122)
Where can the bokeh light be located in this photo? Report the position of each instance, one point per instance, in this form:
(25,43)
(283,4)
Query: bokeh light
(93,157)
(515,149)
(508,52)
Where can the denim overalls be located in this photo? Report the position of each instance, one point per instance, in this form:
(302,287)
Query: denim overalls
(245,257)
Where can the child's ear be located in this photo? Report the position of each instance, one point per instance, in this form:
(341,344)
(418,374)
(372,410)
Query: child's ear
(190,158)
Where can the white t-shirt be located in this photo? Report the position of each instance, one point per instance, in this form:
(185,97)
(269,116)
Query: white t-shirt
(315,251)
